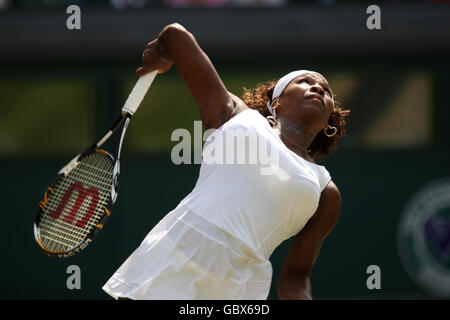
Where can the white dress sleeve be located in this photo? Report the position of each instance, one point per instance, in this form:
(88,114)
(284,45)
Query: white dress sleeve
(325,178)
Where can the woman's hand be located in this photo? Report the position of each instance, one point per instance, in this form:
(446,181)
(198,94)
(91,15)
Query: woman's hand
(154,58)
(175,45)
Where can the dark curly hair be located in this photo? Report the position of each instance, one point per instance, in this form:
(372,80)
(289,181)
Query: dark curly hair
(322,145)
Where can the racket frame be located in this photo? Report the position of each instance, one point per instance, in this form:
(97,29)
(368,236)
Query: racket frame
(130,107)
(99,225)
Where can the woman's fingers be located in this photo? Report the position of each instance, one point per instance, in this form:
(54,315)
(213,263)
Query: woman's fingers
(141,71)
(152,60)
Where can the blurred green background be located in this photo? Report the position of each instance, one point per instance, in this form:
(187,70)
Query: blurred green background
(60,90)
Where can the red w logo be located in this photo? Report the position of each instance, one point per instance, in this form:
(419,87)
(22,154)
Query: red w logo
(82,195)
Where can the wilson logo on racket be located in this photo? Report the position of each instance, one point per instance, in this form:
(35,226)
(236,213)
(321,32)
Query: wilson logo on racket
(76,206)
(82,195)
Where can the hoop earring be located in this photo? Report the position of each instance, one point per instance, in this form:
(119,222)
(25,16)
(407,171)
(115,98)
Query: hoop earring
(272,121)
(329,135)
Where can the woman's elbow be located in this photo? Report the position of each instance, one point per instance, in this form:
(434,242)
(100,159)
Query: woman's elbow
(175,36)
(174,28)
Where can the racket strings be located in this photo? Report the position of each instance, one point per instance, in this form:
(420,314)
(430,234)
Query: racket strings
(77,203)
(70,234)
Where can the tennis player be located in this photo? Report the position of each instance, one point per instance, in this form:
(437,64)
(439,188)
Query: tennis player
(217,242)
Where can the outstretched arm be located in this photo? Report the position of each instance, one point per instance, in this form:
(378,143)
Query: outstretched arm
(294,281)
(175,45)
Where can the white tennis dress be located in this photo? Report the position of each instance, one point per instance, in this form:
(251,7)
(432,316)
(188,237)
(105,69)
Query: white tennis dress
(217,242)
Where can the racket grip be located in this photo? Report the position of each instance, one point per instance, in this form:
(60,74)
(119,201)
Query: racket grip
(138,92)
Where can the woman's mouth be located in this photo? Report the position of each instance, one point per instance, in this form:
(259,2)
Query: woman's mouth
(316,97)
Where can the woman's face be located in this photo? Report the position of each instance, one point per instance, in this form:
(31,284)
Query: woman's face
(307,99)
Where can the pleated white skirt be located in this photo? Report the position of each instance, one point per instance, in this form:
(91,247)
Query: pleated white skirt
(185,257)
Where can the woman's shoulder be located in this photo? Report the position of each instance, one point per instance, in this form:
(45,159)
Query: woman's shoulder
(240,108)
(331,193)
(238,105)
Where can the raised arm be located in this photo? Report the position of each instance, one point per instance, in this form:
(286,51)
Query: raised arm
(175,45)
(294,280)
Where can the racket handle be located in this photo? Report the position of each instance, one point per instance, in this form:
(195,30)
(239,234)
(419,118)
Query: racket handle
(138,92)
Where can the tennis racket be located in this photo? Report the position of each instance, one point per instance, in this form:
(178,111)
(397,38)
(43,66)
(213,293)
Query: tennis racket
(77,204)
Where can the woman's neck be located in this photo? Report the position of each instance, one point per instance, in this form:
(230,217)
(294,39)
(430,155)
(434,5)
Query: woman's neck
(296,139)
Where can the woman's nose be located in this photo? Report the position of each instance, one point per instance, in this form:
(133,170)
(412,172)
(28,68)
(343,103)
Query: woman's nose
(316,88)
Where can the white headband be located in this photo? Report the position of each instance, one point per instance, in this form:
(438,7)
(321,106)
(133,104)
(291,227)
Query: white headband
(282,84)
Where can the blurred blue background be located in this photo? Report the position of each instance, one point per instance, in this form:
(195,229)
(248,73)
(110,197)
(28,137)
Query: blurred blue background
(61,89)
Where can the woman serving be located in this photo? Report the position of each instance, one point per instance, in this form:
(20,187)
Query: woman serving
(217,242)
